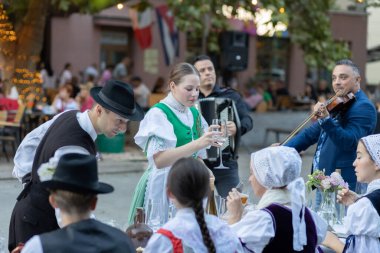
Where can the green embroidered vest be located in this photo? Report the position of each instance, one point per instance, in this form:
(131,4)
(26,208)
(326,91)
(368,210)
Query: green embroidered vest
(183,133)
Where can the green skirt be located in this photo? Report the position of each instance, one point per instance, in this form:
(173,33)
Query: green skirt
(138,195)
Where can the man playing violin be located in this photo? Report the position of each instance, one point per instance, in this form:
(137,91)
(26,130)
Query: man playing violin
(338,133)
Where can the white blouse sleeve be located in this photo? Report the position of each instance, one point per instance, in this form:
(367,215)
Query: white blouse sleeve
(255,230)
(155,133)
(24,157)
(159,243)
(363,221)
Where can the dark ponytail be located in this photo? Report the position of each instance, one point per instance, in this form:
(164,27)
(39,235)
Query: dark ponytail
(189,182)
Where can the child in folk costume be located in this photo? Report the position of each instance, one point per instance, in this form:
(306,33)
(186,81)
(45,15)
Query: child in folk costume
(281,222)
(191,230)
(363,215)
(171,129)
(73,194)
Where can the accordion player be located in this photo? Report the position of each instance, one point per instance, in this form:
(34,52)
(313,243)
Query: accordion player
(225,109)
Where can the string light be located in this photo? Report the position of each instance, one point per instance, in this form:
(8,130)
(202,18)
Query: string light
(29,85)
(6,28)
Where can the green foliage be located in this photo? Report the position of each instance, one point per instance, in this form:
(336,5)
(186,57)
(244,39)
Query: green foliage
(372,3)
(308,24)
(18,8)
(309,27)
(204,18)
(308,21)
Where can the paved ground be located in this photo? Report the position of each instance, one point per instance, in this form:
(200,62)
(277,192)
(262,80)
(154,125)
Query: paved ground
(124,170)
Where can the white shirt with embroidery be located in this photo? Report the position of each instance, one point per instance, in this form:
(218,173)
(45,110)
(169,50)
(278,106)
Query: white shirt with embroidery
(185,227)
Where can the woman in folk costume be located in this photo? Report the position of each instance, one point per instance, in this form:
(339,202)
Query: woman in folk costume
(363,215)
(281,222)
(171,129)
(191,230)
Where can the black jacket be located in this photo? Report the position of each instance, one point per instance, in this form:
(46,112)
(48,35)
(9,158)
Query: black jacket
(246,122)
(87,236)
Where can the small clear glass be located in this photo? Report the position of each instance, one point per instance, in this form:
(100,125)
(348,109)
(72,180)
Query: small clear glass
(221,205)
(155,216)
(361,188)
(220,139)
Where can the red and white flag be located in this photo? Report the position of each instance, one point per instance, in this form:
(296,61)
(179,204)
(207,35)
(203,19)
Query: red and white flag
(142,26)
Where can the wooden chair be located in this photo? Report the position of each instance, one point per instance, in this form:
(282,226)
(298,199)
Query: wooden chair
(154,98)
(284,102)
(262,107)
(10,131)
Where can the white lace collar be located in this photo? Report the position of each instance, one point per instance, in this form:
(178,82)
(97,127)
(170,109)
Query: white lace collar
(173,103)
(374,185)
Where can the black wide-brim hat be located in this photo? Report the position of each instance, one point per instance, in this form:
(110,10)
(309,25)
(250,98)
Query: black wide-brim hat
(77,173)
(118,97)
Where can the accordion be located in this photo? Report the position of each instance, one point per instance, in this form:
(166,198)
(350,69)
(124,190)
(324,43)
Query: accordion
(224,109)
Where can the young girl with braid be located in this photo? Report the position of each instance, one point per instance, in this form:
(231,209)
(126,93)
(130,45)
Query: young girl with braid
(191,230)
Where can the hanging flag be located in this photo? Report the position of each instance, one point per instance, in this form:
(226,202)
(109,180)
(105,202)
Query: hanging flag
(168,33)
(142,26)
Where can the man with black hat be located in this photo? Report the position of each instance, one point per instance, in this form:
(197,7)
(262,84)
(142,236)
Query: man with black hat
(73,190)
(68,132)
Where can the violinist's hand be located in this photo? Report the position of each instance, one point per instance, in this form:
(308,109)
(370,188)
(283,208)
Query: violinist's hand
(346,197)
(320,111)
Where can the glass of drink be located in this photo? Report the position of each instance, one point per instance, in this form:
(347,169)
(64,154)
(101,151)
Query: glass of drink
(244,198)
(220,138)
(155,216)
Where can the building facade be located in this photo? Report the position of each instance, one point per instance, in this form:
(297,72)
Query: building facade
(105,38)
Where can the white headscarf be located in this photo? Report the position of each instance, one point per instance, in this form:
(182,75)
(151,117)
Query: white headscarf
(372,144)
(276,167)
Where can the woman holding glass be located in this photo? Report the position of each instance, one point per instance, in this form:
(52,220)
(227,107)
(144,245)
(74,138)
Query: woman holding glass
(171,129)
(281,222)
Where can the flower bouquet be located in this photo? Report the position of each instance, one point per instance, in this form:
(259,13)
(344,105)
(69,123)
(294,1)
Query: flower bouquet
(331,183)
(328,185)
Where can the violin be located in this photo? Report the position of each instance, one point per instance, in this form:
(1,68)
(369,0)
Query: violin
(339,103)
(333,105)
